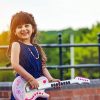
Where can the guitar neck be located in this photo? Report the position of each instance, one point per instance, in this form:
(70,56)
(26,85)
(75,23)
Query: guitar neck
(78,80)
(57,84)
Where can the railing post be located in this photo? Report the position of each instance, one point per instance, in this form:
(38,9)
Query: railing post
(99,48)
(72,55)
(60,54)
(99,51)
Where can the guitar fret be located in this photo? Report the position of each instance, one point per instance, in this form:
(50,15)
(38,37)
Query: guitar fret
(60,84)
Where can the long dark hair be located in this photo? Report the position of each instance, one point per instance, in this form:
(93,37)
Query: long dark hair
(21,18)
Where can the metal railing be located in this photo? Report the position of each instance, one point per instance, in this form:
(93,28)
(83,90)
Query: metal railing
(60,46)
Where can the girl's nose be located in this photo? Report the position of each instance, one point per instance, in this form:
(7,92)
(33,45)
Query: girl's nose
(23,28)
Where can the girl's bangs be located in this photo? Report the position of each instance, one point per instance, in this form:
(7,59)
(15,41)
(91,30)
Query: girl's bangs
(20,20)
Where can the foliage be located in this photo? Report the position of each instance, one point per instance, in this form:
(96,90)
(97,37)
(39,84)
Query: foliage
(82,55)
(4,38)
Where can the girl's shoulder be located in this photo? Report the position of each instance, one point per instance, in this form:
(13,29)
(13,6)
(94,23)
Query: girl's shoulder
(15,49)
(15,45)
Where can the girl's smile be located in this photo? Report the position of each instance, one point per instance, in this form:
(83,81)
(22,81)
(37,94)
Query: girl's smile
(24,32)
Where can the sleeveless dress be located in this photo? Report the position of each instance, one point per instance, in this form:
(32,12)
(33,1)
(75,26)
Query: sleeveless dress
(29,62)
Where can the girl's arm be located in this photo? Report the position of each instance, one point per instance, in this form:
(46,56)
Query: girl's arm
(15,51)
(48,75)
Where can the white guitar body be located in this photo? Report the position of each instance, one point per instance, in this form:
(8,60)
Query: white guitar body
(22,91)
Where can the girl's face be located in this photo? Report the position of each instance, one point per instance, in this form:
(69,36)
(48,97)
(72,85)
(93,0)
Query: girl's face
(24,31)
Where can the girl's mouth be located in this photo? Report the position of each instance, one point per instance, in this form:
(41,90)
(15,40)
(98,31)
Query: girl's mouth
(24,32)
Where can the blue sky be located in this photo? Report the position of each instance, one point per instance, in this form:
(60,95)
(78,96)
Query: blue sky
(53,14)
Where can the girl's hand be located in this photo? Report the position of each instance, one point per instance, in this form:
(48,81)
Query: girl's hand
(54,80)
(34,83)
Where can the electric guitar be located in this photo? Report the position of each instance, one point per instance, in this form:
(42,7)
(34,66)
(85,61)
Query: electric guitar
(22,90)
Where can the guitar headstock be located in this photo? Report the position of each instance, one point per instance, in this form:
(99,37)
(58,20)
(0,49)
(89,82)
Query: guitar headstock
(81,80)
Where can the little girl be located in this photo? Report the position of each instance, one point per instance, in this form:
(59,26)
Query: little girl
(27,57)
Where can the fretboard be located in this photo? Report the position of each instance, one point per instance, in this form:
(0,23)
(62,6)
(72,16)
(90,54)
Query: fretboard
(57,84)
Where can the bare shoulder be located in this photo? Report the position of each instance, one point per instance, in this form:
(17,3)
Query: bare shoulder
(15,45)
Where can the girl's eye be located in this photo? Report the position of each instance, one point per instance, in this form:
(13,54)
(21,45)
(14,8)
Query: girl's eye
(20,26)
(26,25)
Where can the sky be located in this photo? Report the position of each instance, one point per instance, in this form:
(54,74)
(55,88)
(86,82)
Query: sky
(52,14)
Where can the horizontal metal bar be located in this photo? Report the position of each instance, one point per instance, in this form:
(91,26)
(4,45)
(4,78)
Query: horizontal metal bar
(75,66)
(3,46)
(61,66)
(5,84)
(60,45)
(5,68)
(69,45)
